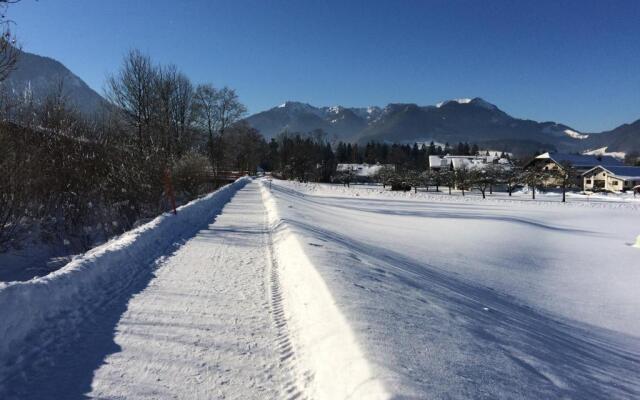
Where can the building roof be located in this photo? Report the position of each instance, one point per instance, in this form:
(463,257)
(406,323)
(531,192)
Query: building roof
(363,170)
(435,161)
(624,172)
(581,160)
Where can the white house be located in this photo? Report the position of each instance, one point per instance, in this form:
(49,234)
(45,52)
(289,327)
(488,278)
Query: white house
(611,178)
(437,162)
(363,172)
(469,162)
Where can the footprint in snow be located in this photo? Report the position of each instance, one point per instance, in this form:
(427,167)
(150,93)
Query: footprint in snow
(316,244)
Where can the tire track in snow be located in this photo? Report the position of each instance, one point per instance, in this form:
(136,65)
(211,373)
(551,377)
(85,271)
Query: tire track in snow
(284,342)
(329,363)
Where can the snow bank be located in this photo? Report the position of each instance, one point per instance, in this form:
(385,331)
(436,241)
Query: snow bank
(65,297)
(333,365)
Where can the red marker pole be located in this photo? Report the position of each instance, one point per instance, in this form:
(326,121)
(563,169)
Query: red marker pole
(168,188)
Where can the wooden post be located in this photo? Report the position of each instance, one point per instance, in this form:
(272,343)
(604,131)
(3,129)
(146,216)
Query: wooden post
(168,189)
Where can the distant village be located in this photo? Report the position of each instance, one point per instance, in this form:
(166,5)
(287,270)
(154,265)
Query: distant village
(498,171)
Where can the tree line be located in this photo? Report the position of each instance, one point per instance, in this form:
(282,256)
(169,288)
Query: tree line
(399,154)
(79,180)
(483,178)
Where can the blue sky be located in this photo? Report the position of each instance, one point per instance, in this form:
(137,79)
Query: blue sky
(576,62)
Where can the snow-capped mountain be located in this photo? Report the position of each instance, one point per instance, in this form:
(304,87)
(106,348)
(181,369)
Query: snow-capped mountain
(40,75)
(624,139)
(470,120)
(292,116)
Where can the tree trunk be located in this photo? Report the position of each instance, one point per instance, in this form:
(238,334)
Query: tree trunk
(564,196)
(533,193)
(483,196)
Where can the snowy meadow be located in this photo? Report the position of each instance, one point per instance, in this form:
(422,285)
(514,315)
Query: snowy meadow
(466,298)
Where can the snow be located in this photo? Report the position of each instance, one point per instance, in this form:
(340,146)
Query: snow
(475,101)
(436,162)
(62,300)
(324,343)
(362,170)
(204,326)
(463,298)
(277,289)
(459,101)
(575,135)
(603,152)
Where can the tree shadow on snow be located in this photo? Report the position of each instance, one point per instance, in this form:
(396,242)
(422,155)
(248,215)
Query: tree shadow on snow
(62,361)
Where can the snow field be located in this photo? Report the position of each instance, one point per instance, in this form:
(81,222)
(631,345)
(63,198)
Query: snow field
(331,362)
(478,299)
(37,311)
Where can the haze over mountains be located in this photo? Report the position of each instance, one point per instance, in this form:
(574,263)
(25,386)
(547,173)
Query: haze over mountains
(461,120)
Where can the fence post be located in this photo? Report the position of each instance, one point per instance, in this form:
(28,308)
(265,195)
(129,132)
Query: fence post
(168,188)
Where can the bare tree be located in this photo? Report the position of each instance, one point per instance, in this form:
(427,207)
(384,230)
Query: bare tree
(511,178)
(182,112)
(462,178)
(165,88)
(55,113)
(447,177)
(480,179)
(204,107)
(385,175)
(217,110)
(228,110)
(8,47)
(565,176)
(534,178)
(133,92)
(416,179)
(437,179)
(427,178)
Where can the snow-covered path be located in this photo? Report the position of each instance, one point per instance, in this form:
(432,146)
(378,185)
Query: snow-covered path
(201,328)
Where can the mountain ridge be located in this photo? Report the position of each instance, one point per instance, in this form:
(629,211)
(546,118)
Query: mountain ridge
(41,74)
(468,120)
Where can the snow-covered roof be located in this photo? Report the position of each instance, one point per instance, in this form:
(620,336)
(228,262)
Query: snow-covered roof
(435,161)
(361,169)
(621,172)
(602,151)
(580,160)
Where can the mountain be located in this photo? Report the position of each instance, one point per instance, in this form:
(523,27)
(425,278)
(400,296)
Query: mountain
(41,75)
(623,139)
(467,120)
(292,116)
